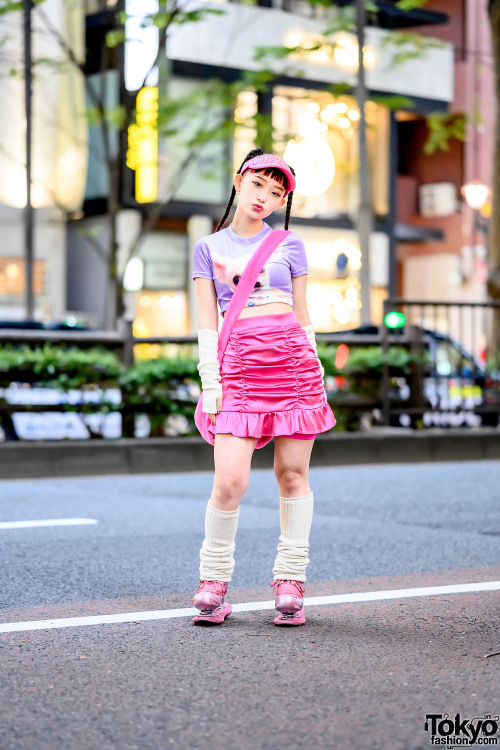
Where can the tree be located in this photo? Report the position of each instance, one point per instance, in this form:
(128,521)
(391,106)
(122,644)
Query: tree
(405,46)
(215,98)
(365,212)
(214,95)
(494,225)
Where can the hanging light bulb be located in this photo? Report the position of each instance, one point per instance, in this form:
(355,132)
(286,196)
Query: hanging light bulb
(314,165)
(475,194)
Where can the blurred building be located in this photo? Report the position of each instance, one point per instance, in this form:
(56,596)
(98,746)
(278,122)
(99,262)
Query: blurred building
(427,242)
(59,155)
(323,131)
(430,189)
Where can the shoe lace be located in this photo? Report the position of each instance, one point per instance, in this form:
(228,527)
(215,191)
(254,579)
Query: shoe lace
(217,587)
(298,585)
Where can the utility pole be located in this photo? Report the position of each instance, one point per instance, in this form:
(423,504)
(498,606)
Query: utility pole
(365,213)
(28,214)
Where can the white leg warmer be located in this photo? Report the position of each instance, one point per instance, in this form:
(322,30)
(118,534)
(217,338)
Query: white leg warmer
(296,518)
(216,554)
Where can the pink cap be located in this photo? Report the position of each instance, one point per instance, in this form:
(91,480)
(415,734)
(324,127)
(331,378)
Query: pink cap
(266,161)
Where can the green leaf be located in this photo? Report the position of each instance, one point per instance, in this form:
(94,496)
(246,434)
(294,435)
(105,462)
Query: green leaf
(394,101)
(443,126)
(115,116)
(115,37)
(257,80)
(410,4)
(94,116)
(326,3)
(199,14)
(49,61)
(339,89)
(8,7)
(278,52)
(408,46)
(92,230)
(345,20)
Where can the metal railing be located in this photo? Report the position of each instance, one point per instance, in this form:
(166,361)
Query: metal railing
(124,341)
(456,379)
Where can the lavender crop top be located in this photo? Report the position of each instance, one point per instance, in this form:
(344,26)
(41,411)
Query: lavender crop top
(222,256)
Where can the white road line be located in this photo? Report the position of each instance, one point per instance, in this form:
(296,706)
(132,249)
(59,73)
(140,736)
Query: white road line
(311,601)
(47,522)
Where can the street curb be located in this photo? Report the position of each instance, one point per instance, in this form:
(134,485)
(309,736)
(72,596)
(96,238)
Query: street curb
(23,460)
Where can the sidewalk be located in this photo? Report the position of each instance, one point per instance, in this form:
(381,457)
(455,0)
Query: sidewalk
(159,455)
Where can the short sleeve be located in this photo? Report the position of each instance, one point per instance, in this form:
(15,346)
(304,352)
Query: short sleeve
(202,262)
(297,255)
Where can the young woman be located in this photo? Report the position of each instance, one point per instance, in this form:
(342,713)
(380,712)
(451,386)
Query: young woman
(270,385)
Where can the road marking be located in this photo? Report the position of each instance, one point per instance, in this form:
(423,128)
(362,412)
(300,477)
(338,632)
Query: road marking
(46,522)
(311,601)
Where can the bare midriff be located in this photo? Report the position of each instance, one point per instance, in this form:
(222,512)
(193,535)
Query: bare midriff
(269,308)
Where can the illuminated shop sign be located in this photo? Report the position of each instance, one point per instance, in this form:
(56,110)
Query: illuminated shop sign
(142,153)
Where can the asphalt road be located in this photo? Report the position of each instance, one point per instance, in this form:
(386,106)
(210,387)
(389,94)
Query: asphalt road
(360,674)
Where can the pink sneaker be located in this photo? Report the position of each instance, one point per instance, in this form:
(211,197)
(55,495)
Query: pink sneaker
(209,599)
(289,602)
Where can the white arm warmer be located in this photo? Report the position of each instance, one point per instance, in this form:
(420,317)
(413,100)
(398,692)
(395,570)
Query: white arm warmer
(209,369)
(312,340)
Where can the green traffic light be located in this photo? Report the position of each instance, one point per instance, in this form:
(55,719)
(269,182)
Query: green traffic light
(394,319)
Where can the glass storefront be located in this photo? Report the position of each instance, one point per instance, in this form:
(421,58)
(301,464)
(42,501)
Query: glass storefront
(317,134)
(12,280)
(161,306)
(161,314)
(333,286)
(196,174)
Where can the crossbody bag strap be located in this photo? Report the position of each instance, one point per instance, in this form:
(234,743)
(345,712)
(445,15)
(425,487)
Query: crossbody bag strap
(246,284)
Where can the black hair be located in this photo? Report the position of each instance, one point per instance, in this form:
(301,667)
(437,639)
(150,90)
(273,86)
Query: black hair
(274,173)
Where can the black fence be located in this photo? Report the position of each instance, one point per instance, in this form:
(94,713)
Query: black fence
(455,379)
(451,377)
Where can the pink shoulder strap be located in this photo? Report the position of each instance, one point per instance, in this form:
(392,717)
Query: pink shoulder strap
(246,284)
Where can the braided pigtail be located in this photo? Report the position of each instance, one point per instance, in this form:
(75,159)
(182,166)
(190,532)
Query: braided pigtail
(289,203)
(221,223)
(250,155)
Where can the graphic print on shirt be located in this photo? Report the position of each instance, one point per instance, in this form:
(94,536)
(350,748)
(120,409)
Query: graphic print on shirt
(230,270)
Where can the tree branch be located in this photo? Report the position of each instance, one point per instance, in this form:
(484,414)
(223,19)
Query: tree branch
(97,102)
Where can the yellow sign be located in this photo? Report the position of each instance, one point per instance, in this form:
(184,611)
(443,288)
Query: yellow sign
(142,153)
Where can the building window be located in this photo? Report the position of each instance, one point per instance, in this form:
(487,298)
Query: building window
(333,286)
(106,87)
(12,279)
(161,305)
(245,134)
(161,313)
(317,134)
(195,174)
(164,255)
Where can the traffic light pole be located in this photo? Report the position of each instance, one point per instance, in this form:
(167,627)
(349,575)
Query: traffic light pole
(28,214)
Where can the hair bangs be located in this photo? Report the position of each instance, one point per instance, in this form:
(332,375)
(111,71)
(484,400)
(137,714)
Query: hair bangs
(275,174)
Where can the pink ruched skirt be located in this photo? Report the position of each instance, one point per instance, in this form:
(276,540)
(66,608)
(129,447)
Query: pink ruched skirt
(271,382)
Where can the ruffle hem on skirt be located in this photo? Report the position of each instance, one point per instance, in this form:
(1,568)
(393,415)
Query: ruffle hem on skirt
(271,382)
